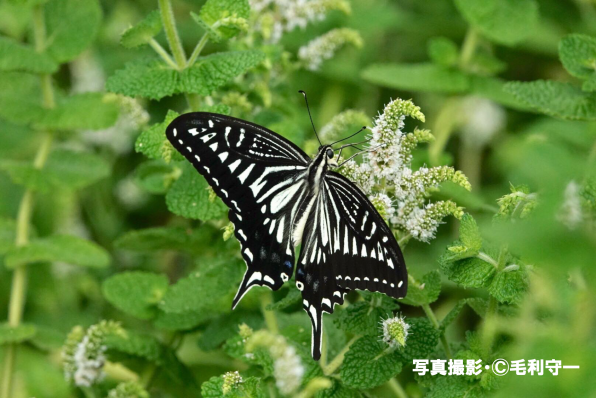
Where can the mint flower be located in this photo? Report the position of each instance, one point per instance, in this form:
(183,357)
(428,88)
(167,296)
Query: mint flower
(129,389)
(571,213)
(231,380)
(395,331)
(482,119)
(518,204)
(324,47)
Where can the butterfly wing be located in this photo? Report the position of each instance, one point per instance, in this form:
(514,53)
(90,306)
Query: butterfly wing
(258,175)
(346,245)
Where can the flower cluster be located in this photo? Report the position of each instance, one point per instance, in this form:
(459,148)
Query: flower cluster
(83,353)
(275,17)
(518,204)
(288,369)
(129,389)
(231,380)
(395,331)
(325,46)
(400,194)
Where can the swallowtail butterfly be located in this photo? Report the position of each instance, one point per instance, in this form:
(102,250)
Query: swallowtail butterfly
(278,198)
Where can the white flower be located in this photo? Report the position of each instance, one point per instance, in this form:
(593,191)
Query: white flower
(482,120)
(287,370)
(89,361)
(231,380)
(571,212)
(395,331)
(324,47)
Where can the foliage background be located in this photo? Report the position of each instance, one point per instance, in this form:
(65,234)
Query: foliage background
(101,221)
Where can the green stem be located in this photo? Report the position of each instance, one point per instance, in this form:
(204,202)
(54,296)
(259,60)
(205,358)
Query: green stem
(470,162)
(270,319)
(488,259)
(162,53)
(18,291)
(397,388)
(193,102)
(468,48)
(169,25)
(338,360)
(443,127)
(197,51)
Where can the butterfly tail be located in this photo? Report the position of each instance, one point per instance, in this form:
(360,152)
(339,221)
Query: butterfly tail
(244,288)
(317,332)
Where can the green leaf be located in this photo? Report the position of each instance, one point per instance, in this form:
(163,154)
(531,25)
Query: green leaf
(417,77)
(494,89)
(20,97)
(159,238)
(249,388)
(73,113)
(19,57)
(469,234)
(363,317)
(152,79)
(509,286)
(23,173)
(452,315)
(180,321)
(442,51)
(71,25)
(214,35)
(454,386)
(589,85)
(502,21)
(226,326)
(16,334)
(136,293)
(156,176)
(469,272)
(422,340)
(294,296)
(366,365)
(207,290)
(562,100)
(430,288)
(7,234)
(578,55)
(153,142)
(189,197)
(142,32)
(63,248)
(215,10)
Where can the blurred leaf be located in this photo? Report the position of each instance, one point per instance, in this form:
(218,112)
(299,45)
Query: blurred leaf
(15,56)
(366,365)
(142,32)
(152,79)
(430,288)
(294,296)
(417,77)
(557,99)
(364,317)
(20,97)
(63,248)
(153,142)
(159,238)
(578,55)
(214,35)
(136,293)
(71,25)
(156,176)
(451,315)
(180,321)
(443,51)
(226,326)
(48,339)
(503,21)
(249,388)
(16,334)
(215,10)
(7,234)
(73,113)
(494,89)
(589,85)
(189,197)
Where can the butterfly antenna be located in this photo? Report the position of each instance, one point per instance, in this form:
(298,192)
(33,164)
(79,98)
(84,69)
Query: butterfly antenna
(310,116)
(357,132)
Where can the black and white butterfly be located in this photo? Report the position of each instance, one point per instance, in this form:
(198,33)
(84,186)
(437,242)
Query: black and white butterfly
(278,198)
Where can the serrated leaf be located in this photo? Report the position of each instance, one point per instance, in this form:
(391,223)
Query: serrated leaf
(153,142)
(294,296)
(469,234)
(422,340)
(214,35)
(428,292)
(136,293)
(417,77)
(215,10)
(442,51)
(159,238)
(7,234)
(16,334)
(142,32)
(207,290)
(63,248)
(562,100)
(249,388)
(509,286)
(189,197)
(73,113)
(71,25)
(469,272)
(578,55)
(503,21)
(454,386)
(364,317)
(179,322)
(15,56)
(152,79)
(156,176)
(366,365)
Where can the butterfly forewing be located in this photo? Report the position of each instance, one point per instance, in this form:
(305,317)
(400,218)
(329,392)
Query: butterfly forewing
(258,175)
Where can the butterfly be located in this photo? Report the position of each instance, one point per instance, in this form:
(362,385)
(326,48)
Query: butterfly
(278,198)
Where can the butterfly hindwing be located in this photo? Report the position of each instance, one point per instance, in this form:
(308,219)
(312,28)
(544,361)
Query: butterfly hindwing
(255,172)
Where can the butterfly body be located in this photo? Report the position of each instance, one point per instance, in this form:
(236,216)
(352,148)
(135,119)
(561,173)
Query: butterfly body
(278,198)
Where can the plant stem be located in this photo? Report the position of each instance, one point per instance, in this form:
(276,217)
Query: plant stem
(468,48)
(162,53)
(269,316)
(488,259)
(193,102)
(443,127)
(397,388)
(18,291)
(197,51)
(169,25)
(338,360)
